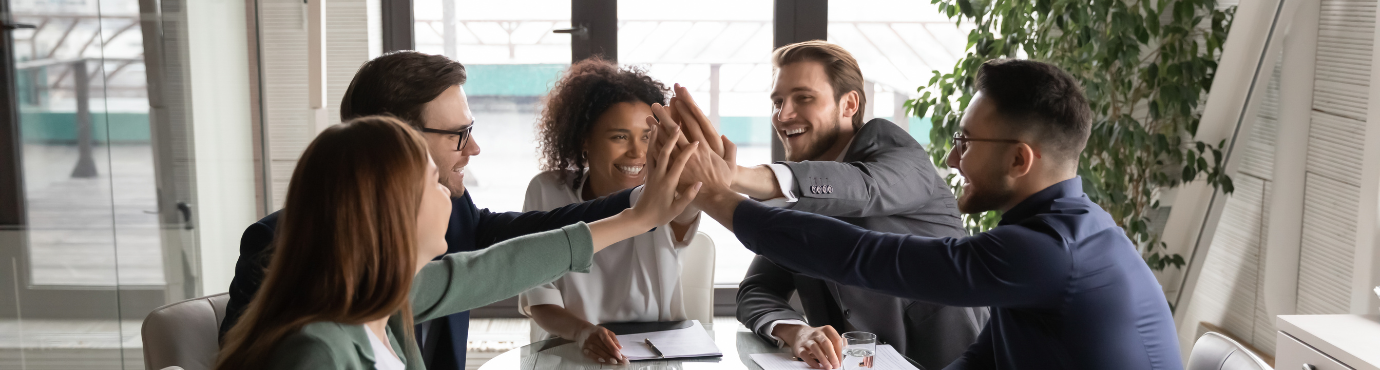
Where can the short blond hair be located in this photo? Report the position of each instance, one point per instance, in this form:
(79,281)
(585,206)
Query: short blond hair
(843,71)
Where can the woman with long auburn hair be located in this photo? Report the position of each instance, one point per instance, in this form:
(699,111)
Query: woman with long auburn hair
(363,219)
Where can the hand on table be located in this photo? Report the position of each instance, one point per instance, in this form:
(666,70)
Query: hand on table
(820,347)
(599,344)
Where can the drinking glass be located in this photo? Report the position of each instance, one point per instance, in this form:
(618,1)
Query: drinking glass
(859,347)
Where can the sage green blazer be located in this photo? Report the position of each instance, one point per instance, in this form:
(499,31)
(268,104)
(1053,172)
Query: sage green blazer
(458,282)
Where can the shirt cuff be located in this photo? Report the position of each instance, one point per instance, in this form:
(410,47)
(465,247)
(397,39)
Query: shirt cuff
(581,246)
(544,294)
(772,328)
(785,180)
(632,197)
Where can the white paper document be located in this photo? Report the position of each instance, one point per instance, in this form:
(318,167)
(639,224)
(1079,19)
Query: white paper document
(886,359)
(693,341)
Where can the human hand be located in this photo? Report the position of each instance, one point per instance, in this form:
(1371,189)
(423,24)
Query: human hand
(709,168)
(663,196)
(599,344)
(692,120)
(820,347)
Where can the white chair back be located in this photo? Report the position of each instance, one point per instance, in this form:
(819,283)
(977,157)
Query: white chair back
(1215,351)
(697,279)
(185,334)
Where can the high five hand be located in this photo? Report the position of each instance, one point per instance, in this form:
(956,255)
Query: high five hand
(661,199)
(697,126)
(709,168)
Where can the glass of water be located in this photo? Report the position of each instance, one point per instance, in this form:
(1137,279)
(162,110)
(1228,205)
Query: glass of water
(859,347)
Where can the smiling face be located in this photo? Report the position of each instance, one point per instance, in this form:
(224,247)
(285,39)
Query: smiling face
(616,148)
(984,165)
(433,215)
(450,112)
(811,124)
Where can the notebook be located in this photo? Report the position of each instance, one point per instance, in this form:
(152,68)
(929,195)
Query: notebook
(886,358)
(689,342)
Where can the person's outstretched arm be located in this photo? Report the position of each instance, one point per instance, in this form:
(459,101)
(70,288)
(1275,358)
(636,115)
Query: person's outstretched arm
(1004,267)
(494,227)
(465,280)
(890,174)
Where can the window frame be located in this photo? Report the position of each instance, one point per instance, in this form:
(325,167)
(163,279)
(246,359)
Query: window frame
(792,21)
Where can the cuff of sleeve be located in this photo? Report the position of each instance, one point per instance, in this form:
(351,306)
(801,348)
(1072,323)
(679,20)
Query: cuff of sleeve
(545,294)
(772,328)
(785,179)
(633,195)
(581,246)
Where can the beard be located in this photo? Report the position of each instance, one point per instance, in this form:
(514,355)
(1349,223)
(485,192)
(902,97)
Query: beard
(824,140)
(985,192)
(456,187)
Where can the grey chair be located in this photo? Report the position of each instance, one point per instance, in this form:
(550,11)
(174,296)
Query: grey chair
(185,334)
(1215,351)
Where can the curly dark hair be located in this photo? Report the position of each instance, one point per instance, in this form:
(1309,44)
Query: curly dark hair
(582,94)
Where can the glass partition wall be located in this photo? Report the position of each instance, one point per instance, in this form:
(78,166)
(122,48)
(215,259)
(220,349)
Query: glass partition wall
(105,227)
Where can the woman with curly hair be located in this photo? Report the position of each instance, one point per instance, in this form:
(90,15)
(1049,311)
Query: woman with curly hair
(594,137)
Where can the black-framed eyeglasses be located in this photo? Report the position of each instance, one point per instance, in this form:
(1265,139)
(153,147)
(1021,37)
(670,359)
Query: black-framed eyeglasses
(464,134)
(961,142)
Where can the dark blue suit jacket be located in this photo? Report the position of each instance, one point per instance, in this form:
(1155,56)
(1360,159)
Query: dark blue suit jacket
(1067,289)
(470,229)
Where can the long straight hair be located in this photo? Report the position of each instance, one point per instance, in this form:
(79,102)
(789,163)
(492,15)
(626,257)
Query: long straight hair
(346,248)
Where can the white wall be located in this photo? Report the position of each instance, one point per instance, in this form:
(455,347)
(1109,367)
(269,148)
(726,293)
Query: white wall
(218,56)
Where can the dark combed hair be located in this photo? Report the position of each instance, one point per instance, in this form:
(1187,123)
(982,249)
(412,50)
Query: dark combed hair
(844,73)
(1040,100)
(399,84)
(583,93)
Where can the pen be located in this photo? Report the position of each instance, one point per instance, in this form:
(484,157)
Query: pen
(653,347)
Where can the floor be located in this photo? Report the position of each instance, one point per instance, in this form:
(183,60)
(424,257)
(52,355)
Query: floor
(82,229)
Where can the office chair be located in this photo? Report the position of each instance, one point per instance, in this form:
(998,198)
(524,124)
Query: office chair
(1215,351)
(185,334)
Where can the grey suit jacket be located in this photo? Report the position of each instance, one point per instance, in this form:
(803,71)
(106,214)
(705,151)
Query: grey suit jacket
(885,182)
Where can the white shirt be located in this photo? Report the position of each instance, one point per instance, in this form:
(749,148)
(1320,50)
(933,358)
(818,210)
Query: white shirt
(384,359)
(637,279)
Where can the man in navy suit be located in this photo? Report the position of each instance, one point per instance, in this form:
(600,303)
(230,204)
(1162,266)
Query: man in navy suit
(425,91)
(1066,287)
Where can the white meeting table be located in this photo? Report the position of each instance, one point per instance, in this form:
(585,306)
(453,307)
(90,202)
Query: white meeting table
(735,341)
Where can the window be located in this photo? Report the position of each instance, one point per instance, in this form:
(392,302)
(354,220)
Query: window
(513,59)
(724,58)
(898,44)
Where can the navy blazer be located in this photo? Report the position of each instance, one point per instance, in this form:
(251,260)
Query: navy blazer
(1067,289)
(470,229)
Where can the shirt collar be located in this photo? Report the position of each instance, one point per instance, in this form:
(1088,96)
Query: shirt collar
(1041,200)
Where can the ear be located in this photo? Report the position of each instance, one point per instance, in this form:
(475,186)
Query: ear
(848,104)
(1023,161)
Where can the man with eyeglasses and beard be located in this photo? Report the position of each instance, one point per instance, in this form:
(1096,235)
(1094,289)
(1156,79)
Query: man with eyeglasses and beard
(1066,287)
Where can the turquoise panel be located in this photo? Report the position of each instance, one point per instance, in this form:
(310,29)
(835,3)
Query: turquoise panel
(511,79)
(746,130)
(919,128)
(61,127)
